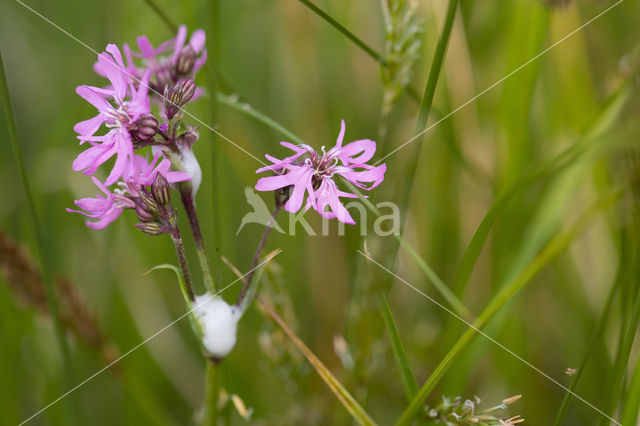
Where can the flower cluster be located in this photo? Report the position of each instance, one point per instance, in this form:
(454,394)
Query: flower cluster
(161,77)
(307,172)
(458,411)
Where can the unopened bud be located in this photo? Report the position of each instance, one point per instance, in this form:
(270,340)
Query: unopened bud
(143,214)
(185,61)
(151,228)
(148,202)
(178,95)
(187,89)
(189,137)
(161,190)
(512,399)
(144,128)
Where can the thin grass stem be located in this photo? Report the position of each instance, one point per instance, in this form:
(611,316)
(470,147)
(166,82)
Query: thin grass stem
(36,230)
(555,246)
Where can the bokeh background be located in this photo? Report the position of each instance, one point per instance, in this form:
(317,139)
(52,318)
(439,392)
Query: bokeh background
(287,62)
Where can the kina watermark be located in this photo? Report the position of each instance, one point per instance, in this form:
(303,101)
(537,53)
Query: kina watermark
(387,223)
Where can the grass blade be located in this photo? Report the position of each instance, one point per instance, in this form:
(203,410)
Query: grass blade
(604,121)
(233,102)
(213,41)
(35,226)
(630,413)
(378,57)
(555,246)
(163,16)
(444,290)
(408,380)
(352,406)
(595,337)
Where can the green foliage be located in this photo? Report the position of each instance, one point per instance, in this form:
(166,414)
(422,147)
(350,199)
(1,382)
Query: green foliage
(489,201)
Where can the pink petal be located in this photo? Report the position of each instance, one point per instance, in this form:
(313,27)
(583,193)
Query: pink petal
(90,126)
(179,42)
(373,174)
(90,95)
(302,178)
(365,147)
(197,40)
(328,195)
(341,134)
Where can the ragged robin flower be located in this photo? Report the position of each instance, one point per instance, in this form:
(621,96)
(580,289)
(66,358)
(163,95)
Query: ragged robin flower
(312,173)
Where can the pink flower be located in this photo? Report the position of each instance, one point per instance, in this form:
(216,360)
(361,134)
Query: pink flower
(108,208)
(170,59)
(119,106)
(307,172)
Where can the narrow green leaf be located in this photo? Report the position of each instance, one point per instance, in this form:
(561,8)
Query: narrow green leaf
(632,406)
(554,247)
(444,290)
(195,325)
(399,353)
(34,222)
(163,16)
(213,41)
(232,101)
(565,159)
(348,401)
(595,337)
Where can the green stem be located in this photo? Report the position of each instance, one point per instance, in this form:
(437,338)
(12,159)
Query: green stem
(337,25)
(595,337)
(247,281)
(347,400)
(557,245)
(378,57)
(232,101)
(213,46)
(32,215)
(427,101)
(163,16)
(212,391)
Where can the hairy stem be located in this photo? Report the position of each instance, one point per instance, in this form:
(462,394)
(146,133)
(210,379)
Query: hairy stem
(182,259)
(256,256)
(189,205)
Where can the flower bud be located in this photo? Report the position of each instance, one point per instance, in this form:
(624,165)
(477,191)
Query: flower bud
(178,95)
(161,190)
(148,202)
(185,61)
(151,228)
(187,89)
(144,128)
(143,214)
(188,138)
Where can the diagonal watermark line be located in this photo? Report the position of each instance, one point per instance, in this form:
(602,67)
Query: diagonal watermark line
(140,82)
(548,377)
(497,83)
(145,341)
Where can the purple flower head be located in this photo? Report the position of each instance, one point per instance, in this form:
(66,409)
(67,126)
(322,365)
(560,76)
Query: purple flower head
(171,60)
(308,172)
(119,106)
(108,207)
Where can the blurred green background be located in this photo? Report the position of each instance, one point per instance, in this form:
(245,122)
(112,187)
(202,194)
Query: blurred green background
(290,64)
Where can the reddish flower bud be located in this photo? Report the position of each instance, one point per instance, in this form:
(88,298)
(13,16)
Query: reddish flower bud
(151,228)
(144,128)
(161,190)
(143,214)
(185,61)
